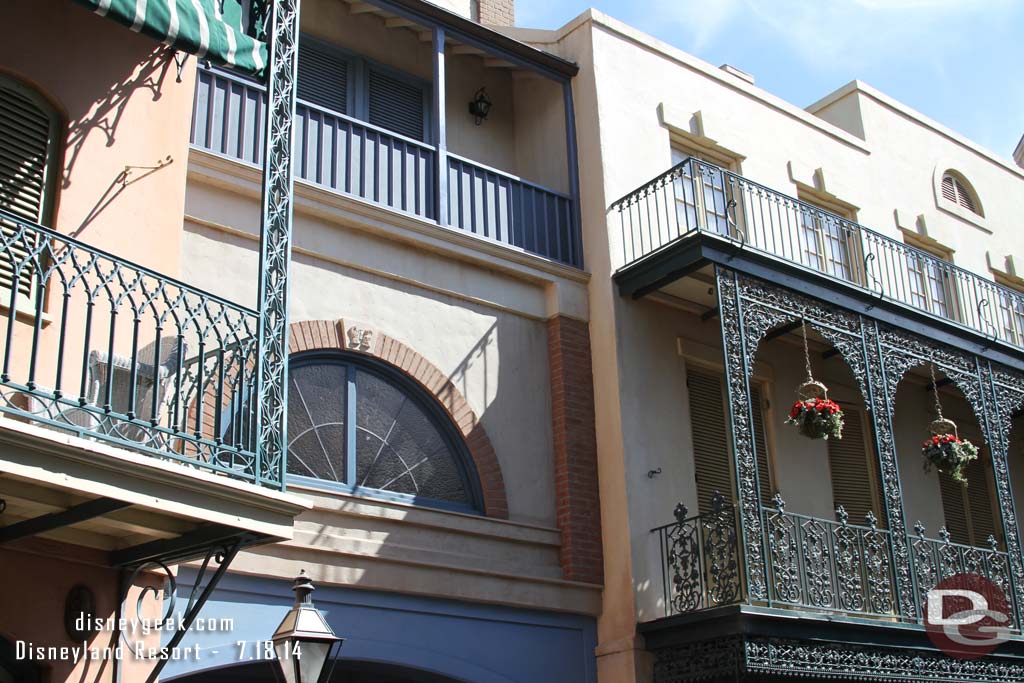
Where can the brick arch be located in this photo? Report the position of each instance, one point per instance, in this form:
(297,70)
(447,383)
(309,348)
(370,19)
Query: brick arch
(318,335)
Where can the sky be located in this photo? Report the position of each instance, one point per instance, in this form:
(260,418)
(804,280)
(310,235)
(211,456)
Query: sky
(959,62)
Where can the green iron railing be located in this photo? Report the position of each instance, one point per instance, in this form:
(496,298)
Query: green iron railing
(696,197)
(111,351)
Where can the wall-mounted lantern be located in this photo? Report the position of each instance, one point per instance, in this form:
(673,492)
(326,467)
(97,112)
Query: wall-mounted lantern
(480,106)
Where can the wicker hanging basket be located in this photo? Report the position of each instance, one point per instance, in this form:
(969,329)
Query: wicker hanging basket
(943,426)
(812,389)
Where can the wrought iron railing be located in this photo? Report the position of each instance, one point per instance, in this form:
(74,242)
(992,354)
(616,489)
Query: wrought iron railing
(934,560)
(696,197)
(814,564)
(828,565)
(700,559)
(109,350)
(356,158)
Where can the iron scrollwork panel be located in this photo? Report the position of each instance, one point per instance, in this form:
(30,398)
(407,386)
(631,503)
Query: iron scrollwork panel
(749,308)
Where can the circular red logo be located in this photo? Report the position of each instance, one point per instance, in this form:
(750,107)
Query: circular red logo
(967,616)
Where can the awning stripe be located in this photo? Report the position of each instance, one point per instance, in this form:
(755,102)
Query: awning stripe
(215,29)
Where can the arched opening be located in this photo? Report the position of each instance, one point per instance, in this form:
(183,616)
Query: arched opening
(816,476)
(956,189)
(932,498)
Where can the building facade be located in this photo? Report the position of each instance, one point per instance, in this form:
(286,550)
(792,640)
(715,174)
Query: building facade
(438,479)
(724,230)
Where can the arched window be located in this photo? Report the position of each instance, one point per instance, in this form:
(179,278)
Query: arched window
(957,190)
(356,424)
(28,169)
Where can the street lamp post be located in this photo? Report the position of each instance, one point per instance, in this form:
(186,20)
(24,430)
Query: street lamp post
(304,642)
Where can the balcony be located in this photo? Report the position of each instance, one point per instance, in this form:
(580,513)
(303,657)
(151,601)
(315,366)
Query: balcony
(358,159)
(109,351)
(819,565)
(695,201)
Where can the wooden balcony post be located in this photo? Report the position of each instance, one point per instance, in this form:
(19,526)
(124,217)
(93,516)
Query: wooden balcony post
(439,123)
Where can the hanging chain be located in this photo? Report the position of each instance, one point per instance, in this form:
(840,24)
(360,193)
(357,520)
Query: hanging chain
(807,352)
(935,390)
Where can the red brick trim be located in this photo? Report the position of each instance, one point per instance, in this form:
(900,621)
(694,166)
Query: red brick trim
(575,441)
(314,335)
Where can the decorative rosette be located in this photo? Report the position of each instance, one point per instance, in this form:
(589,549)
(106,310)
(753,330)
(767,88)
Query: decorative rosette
(947,452)
(815,415)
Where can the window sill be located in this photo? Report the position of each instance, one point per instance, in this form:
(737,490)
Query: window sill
(963,214)
(26,315)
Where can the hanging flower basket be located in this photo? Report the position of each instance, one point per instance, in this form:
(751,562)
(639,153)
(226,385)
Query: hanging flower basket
(947,452)
(817,418)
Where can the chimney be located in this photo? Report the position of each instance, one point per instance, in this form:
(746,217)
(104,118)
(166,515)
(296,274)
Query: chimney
(496,12)
(1018,154)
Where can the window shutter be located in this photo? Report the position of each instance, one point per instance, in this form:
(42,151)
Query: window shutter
(710,430)
(322,76)
(395,104)
(25,141)
(954,509)
(979,500)
(948,191)
(764,470)
(849,460)
(711,459)
(964,196)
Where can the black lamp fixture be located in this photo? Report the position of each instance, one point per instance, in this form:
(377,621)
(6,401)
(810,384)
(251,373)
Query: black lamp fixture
(480,106)
(304,642)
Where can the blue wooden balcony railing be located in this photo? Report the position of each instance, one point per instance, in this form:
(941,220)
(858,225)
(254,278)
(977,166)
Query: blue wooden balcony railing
(111,351)
(695,197)
(355,158)
(821,565)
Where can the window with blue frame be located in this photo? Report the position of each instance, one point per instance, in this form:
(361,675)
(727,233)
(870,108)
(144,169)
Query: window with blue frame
(358,425)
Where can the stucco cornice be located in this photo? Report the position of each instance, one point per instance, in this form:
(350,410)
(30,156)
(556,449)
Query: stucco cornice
(917,117)
(648,42)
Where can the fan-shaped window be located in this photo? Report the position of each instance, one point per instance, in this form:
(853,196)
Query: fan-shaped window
(957,190)
(358,425)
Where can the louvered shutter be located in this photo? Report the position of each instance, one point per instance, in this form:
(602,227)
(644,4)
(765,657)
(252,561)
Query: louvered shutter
(964,197)
(709,425)
(25,143)
(322,75)
(968,510)
(395,104)
(764,470)
(948,191)
(711,459)
(978,494)
(954,508)
(850,462)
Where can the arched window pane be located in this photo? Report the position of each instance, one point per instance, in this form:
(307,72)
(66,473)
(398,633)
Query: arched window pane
(316,421)
(398,447)
(401,443)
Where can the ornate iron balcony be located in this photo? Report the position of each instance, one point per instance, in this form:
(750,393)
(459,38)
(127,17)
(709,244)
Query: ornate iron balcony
(695,197)
(821,565)
(111,351)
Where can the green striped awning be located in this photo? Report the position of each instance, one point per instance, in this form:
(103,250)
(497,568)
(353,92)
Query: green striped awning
(217,30)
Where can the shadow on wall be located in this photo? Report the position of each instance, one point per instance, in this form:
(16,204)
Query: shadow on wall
(104,113)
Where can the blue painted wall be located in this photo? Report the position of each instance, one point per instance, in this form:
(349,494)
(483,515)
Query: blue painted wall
(465,641)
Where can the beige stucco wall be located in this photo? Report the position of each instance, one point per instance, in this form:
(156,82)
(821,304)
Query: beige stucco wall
(485,331)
